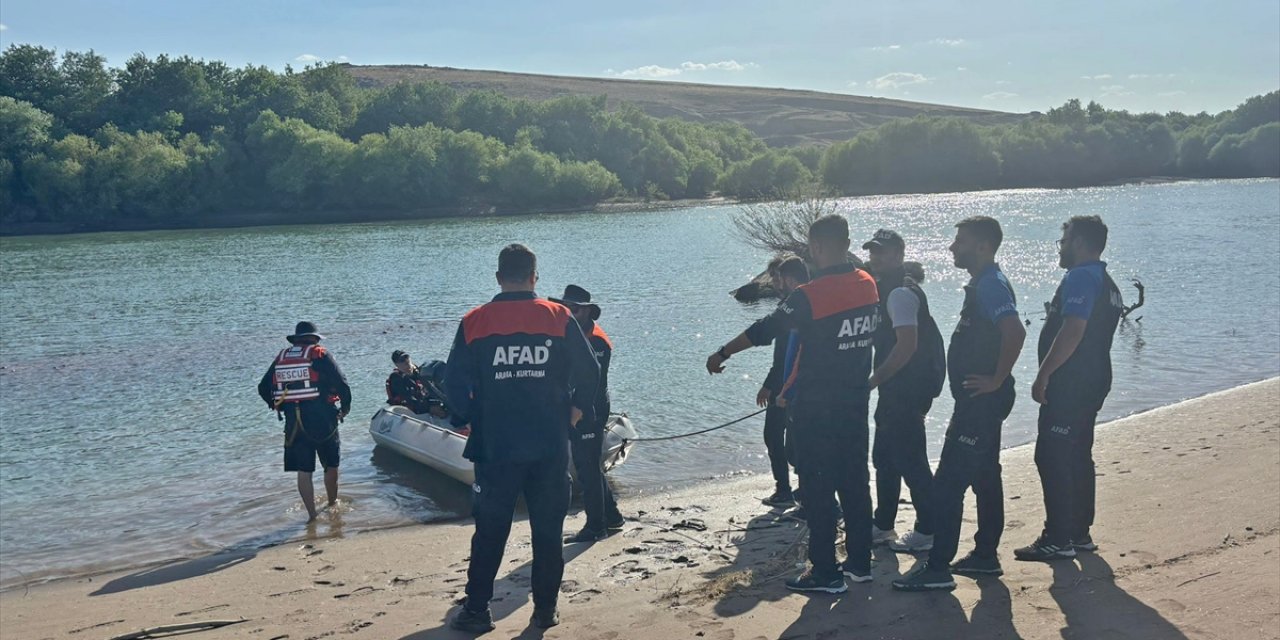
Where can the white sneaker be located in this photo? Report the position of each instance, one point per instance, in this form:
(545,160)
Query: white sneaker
(881,536)
(911,542)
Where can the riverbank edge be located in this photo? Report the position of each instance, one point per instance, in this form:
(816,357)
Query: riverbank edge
(711,560)
(1162,571)
(340,216)
(343,216)
(675,491)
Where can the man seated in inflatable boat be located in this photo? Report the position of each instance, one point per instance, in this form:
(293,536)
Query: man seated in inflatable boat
(418,388)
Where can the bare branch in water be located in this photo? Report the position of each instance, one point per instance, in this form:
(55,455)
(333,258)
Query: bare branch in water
(782,226)
(1142,299)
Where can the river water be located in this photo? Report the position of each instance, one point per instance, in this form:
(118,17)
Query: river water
(131,432)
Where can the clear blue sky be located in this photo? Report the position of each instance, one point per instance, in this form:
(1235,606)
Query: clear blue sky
(1001,54)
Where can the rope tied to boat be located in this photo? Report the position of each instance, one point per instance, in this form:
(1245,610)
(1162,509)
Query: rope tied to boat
(696,433)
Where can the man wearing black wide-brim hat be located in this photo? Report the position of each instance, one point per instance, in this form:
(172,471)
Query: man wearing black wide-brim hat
(587,438)
(302,385)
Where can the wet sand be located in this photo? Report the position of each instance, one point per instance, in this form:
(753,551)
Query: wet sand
(1188,528)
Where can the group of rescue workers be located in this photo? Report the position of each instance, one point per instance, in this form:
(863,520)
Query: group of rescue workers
(528,378)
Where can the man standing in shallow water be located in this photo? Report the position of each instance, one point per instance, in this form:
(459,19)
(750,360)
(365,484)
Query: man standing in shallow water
(303,383)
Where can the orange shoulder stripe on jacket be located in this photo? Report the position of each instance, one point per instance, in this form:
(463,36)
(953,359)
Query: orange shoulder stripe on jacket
(840,292)
(510,317)
(599,333)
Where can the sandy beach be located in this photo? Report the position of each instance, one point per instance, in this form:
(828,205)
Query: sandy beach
(1188,528)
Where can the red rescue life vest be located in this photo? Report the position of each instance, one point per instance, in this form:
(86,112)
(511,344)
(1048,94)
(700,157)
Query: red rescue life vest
(295,376)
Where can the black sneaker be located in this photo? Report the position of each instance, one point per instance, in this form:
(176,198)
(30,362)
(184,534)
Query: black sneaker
(1084,544)
(545,618)
(797,514)
(614,526)
(585,535)
(1042,551)
(807,582)
(925,578)
(856,575)
(780,499)
(976,565)
(472,621)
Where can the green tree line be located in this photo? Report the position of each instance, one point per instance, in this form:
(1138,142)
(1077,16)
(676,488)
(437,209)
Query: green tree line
(1070,146)
(167,138)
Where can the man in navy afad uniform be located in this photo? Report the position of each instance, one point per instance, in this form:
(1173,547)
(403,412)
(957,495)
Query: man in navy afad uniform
(522,374)
(1074,379)
(587,438)
(787,272)
(835,317)
(980,359)
(303,384)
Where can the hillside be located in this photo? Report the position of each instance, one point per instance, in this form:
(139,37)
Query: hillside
(782,117)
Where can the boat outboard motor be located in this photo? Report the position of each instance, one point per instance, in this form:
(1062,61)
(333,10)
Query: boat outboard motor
(433,372)
(432,376)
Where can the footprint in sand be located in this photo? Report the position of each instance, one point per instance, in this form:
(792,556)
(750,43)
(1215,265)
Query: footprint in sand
(289,593)
(1142,557)
(362,591)
(627,571)
(96,626)
(584,595)
(357,625)
(204,610)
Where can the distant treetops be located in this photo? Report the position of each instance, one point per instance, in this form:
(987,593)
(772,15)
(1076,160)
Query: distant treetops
(170,138)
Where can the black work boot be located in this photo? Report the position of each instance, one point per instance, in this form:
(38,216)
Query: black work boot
(476,622)
(585,535)
(545,618)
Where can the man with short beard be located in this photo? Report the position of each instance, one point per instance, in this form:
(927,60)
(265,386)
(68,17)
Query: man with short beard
(980,359)
(1074,380)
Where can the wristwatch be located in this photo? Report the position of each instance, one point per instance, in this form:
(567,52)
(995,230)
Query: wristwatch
(720,352)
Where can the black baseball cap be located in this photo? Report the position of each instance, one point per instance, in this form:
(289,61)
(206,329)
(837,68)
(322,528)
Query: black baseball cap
(885,238)
(398,356)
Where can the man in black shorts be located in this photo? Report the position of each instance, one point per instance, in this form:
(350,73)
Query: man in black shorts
(303,384)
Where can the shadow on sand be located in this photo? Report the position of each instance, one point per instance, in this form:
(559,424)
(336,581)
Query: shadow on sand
(510,593)
(769,552)
(179,570)
(1096,607)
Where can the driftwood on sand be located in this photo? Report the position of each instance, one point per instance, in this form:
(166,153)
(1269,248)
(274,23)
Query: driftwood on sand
(183,628)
